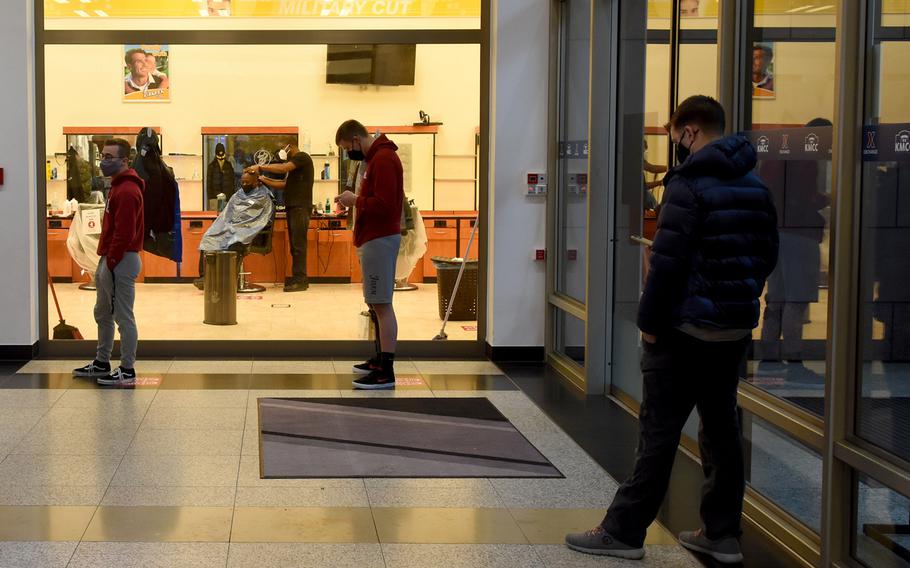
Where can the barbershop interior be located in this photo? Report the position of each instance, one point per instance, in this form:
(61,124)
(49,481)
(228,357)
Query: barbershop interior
(582,92)
(234,106)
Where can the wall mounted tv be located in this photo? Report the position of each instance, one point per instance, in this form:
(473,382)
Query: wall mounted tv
(371,64)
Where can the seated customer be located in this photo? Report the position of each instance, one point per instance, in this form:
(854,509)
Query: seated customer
(246,214)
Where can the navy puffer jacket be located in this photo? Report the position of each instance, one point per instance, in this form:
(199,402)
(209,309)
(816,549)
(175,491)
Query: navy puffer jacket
(716,243)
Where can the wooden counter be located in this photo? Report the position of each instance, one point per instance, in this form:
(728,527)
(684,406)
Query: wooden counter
(331,256)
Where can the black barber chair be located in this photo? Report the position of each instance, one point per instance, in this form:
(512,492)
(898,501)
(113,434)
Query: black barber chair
(261,244)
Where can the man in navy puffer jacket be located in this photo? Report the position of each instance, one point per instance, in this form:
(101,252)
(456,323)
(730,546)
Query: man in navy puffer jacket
(715,246)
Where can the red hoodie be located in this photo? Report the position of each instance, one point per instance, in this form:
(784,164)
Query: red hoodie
(123,229)
(381,195)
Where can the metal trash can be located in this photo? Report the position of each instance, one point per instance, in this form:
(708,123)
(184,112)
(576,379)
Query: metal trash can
(220,287)
(464,304)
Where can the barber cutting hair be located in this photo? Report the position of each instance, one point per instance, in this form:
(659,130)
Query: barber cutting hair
(297,167)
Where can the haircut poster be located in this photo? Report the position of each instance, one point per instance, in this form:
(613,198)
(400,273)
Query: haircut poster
(145,73)
(763,70)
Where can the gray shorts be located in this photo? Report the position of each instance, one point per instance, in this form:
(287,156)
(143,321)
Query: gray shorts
(377,262)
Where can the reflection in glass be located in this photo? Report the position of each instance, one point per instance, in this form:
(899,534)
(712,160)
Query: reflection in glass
(791,130)
(882,538)
(883,407)
(783,470)
(570,337)
(645,109)
(572,184)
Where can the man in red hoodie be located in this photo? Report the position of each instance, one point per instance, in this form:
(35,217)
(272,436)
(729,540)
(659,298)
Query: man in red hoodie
(377,236)
(122,233)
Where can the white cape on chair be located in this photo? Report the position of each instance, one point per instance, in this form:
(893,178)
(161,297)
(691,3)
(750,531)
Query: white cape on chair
(84,235)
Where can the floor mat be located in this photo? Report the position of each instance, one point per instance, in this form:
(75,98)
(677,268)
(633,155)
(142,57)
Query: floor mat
(393,437)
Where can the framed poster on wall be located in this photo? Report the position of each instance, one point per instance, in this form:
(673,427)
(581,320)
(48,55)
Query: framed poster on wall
(763,70)
(145,73)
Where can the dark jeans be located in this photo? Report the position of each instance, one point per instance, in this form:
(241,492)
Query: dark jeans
(298,224)
(785,319)
(681,373)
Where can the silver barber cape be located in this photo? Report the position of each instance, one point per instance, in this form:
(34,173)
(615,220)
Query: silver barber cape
(246,214)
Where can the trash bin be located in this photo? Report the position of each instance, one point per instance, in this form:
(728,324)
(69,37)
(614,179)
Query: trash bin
(464,305)
(220,287)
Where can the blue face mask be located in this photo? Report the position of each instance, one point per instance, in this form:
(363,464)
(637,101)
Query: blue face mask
(111,167)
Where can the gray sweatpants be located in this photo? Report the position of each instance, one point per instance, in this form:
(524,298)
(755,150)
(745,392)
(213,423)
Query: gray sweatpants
(114,303)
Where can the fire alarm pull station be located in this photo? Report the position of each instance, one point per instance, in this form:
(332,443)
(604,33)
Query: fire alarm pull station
(1,176)
(537,183)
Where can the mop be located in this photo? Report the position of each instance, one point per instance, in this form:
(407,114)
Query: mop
(62,330)
(464,260)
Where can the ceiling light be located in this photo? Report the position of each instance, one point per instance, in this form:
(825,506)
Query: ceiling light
(62,1)
(204,12)
(800,9)
(820,8)
(82,13)
(101,13)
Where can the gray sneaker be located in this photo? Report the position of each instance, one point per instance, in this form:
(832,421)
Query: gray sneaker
(724,550)
(600,542)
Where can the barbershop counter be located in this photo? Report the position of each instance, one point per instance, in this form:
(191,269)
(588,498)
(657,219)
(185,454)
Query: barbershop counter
(331,256)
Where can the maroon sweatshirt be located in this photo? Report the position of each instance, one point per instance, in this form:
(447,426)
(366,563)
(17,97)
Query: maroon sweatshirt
(381,194)
(122,229)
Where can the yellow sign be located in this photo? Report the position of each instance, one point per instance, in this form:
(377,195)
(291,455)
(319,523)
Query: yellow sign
(263,8)
(358,8)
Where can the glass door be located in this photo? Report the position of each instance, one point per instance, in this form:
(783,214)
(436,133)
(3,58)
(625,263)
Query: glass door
(881,391)
(568,201)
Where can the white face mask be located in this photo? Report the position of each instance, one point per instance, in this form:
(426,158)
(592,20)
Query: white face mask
(283,153)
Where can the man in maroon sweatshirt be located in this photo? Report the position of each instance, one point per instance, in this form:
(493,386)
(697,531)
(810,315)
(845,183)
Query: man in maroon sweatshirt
(122,233)
(377,236)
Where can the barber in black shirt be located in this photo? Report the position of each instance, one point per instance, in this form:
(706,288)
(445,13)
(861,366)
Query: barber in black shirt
(297,185)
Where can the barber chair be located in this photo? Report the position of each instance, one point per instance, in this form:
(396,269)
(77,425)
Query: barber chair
(262,244)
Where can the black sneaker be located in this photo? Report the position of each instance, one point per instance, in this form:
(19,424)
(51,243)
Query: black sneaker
(93,369)
(119,377)
(368,366)
(376,380)
(296,286)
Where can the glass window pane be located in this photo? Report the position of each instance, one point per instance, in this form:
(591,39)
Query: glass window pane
(882,520)
(210,111)
(572,178)
(783,470)
(641,187)
(792,106)
(884,393)
(570,336)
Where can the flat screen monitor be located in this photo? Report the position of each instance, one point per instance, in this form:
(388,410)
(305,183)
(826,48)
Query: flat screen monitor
(371,64)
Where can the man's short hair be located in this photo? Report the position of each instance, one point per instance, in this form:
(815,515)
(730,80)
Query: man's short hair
(766,50)
(124,146)
(700,110)
(129,55)
(348,130)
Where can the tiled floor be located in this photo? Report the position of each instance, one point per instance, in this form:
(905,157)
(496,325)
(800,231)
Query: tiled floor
(167,475)
(325,311)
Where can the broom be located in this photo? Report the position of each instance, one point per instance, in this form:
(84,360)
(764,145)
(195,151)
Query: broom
(62,330)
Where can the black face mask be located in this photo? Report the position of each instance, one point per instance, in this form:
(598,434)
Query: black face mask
(681,151)
(356,155)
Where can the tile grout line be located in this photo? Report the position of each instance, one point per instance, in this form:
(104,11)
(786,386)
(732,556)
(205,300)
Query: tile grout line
(246,413)
(375,525)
